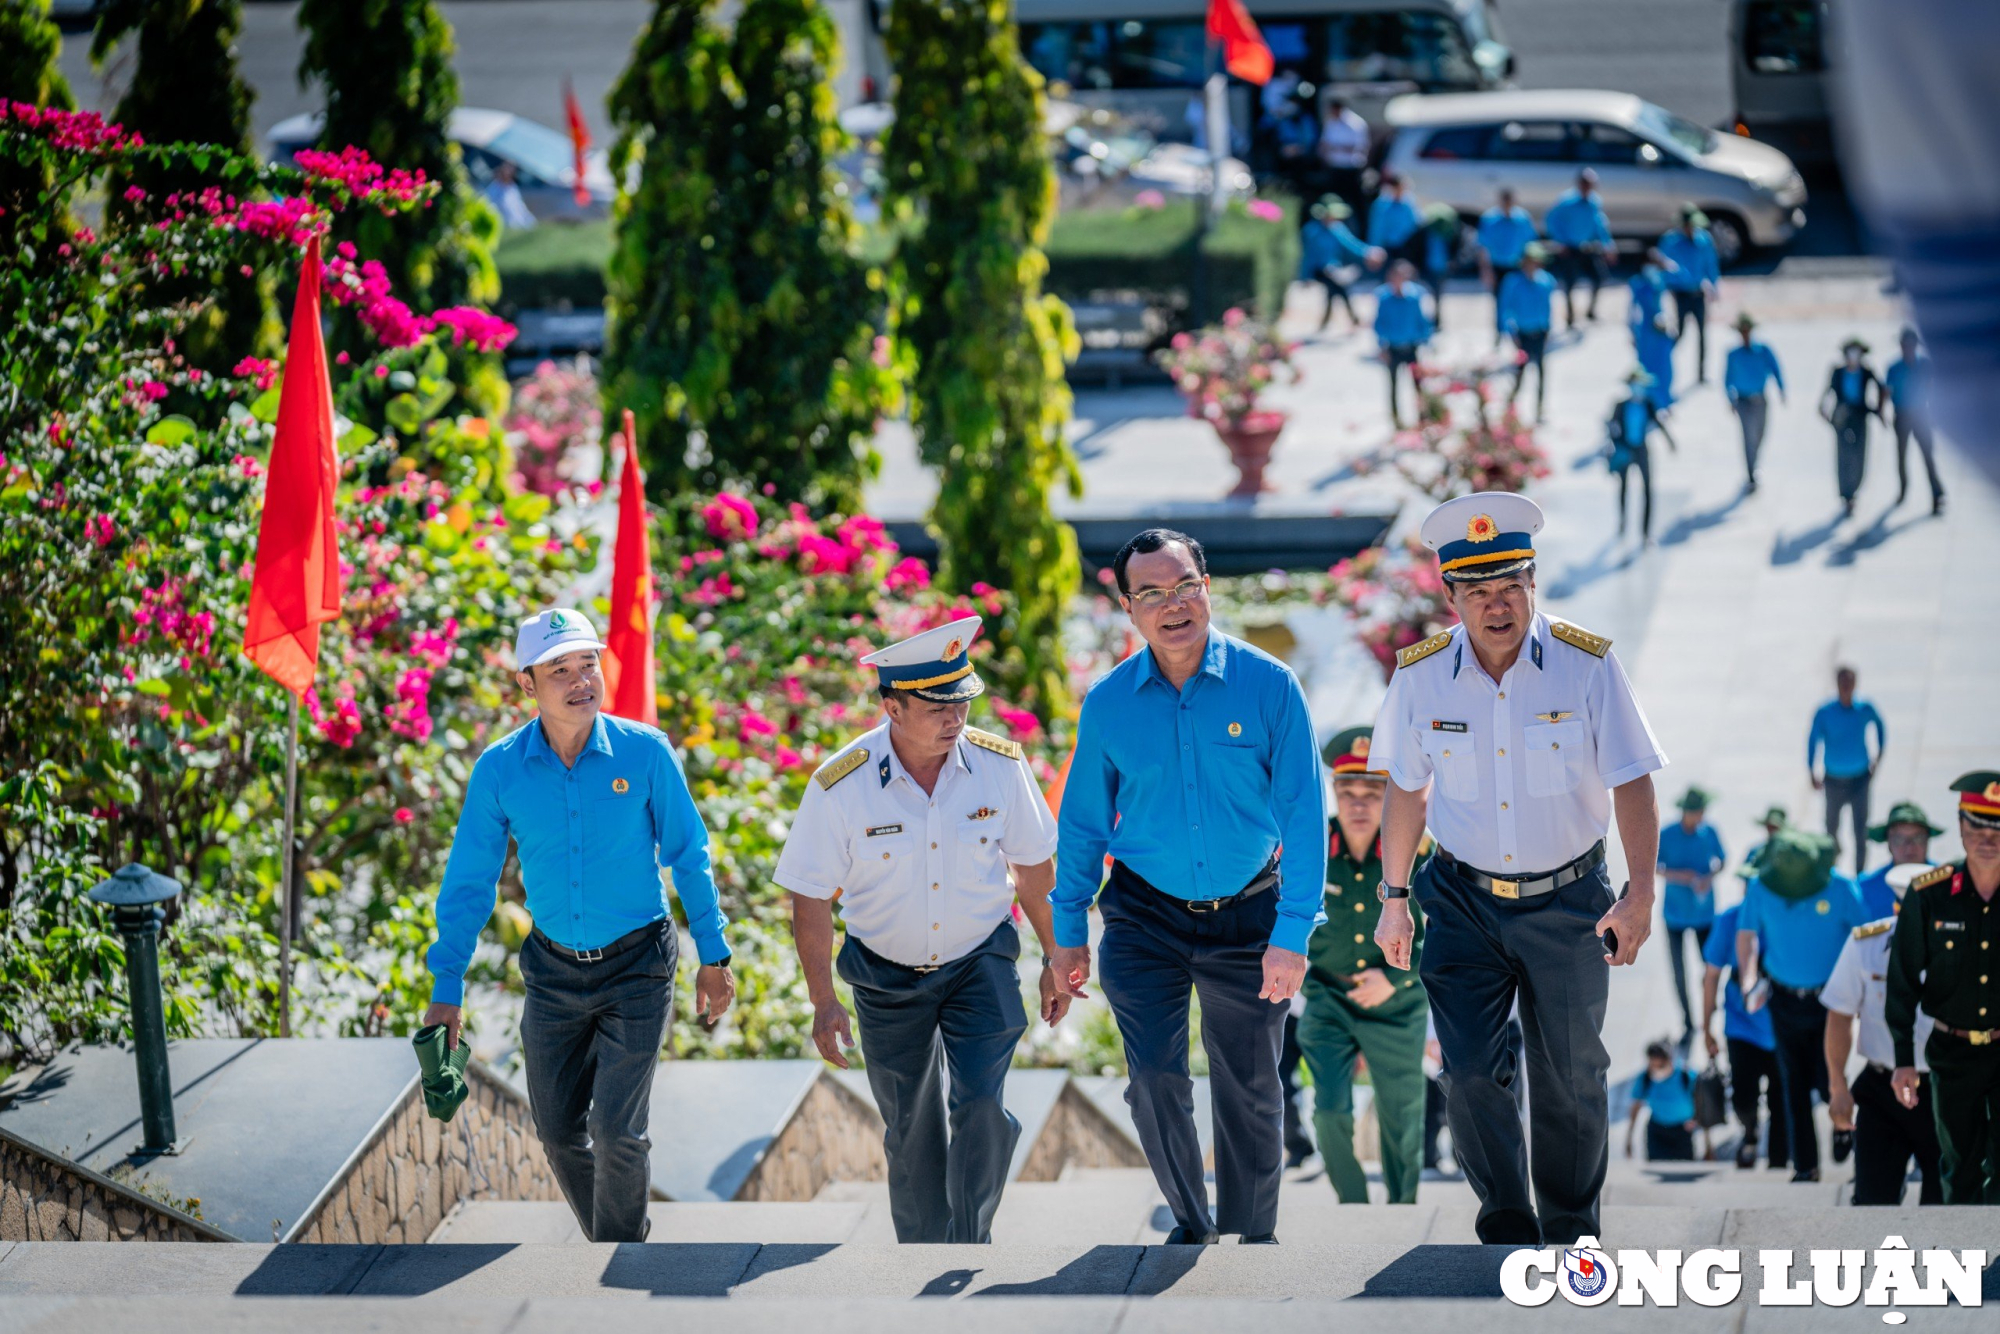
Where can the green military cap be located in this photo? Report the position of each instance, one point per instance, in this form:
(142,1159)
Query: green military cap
(1903,812)
(1442,218)
(1796,863)
(1332,206)
(1537,252)
(1855,342)
(443,1071)
(1694,799)
(1979,798)
(1347,754)
(1693,214)
(1639,376)
(1775,817)
(1746,321)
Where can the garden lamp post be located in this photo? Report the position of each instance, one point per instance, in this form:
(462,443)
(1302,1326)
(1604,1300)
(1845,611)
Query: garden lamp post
(137,897)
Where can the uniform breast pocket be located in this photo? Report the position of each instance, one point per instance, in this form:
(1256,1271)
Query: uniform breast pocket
(1239,768)
(1454,758)
(621,815)
(1556,755)
(1947,947)
(979,845)
(881,857)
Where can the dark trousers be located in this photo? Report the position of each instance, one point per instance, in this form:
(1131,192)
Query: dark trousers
(1799,1025)
(1336,290)
(1480,954)
(590,1039)
(1434,1103)
(1752,410)
(1500,272)
(1534,345)
(1642,463)
(938,1046)
(1399,357)
(1850,794)
(1919,425)
(1751,1068)
(1965,1092)
(1693,305)
(1677,951)
(1416,248)
(1298,1144)
(1850,448)
(1668,1144)
(1153,956)
(1572,264)
(1887,1135)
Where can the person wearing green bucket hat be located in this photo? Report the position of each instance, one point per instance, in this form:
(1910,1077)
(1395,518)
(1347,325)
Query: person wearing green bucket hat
(1796,915)
(1631,426)
(1690,855)
(1853,394)
(1327,246)
(1907,833)
(1692,280)
(1747,372)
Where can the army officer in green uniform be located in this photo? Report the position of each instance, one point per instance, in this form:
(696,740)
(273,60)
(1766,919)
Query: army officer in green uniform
(1354,1005)
(1945,959)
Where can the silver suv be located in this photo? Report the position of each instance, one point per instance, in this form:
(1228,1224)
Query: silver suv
(1460,149)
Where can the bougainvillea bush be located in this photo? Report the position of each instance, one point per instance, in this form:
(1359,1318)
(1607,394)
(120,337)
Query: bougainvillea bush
(1468,436)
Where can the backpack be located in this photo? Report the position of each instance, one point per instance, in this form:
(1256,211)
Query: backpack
(1711,1097)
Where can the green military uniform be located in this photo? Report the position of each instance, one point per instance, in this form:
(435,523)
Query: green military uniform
(1335,1030)
(1945,958)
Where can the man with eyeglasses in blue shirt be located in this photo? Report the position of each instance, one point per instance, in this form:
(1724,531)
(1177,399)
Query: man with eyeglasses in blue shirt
(1197,771)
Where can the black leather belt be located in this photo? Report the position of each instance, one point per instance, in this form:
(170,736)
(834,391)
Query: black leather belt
(631,940)
(1799,993)
(1266,879)
(1978,1037)
(1528,887)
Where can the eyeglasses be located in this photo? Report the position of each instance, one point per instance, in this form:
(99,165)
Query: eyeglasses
(1152,599)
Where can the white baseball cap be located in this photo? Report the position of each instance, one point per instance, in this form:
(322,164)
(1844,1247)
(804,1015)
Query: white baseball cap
(552,633)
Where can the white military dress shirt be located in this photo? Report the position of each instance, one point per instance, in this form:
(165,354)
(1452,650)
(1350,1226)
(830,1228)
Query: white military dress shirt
(1859,988)
(922,876)
(1523,766)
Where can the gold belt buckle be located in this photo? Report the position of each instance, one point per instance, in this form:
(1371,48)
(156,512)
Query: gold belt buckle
(1980,1038)
(1506,889)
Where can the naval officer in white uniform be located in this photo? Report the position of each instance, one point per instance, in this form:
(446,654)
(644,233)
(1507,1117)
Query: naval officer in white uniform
(914,828)
(1514,736)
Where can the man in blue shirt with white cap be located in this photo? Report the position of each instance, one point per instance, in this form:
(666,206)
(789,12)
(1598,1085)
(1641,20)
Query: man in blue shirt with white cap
(596,805)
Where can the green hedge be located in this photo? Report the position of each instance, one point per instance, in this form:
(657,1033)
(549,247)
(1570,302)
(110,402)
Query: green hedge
(556,262)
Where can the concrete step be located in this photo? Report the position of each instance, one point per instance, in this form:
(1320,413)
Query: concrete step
(536,1222)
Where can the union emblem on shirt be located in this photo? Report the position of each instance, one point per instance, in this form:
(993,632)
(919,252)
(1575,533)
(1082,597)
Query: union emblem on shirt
(620,786)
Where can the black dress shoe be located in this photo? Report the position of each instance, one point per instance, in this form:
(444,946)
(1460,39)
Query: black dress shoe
(1806,1174)
(1746,1153)
(1182,1236)
(1843,1144)
(1265,1239)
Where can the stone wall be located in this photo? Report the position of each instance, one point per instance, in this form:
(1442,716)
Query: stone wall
(835,1136)
(417,1169)
(1077,1134)
(45,1198)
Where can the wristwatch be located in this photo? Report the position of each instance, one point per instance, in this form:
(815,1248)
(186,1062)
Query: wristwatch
(1385,891)
(723,962)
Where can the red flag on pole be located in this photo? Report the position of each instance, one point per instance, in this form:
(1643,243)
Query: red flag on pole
(1243,51)
(579,140)
(628,658)
(296,585)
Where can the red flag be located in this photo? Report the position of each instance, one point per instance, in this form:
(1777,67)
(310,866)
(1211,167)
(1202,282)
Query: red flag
(579,139)
(296,584)
(628,660)
(1243,51)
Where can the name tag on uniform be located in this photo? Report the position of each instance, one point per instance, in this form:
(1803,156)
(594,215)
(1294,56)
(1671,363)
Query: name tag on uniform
(885,829)
(1949,926)
(1440,725)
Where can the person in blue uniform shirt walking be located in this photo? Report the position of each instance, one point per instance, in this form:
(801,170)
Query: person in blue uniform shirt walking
(1908,384)
(1690,855)
(1652,338)
(1514,737)
(1580,235)
(1907,834)
(1665,1089)
(1402,327)
(1505,232)
(1393,220)
(1747,372)
(595,807)
(1326,246)
(1632,424)
(1527,297)
(1795,916)
(1197,771)
(1753,1055)
(1838,760)
(1853,395)
(1692,280)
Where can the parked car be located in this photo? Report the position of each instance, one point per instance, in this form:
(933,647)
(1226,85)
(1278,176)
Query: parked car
(544,161)
(1459,150)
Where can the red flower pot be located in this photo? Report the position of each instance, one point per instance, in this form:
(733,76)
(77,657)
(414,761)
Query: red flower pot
(1250,439)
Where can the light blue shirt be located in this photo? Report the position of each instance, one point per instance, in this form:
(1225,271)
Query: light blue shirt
(1504,236)
(1577,220)
(1649,287)
(1693,258)
(591,840)
(1670,1101)
(1328,243)
(1798,941)
(1524,301)
(1747,369)
(1638,421)
(1737,1020)
(1195,789)
(1700,852)
(1839,738)
(1392,221)
(1400,321)
(1909,384)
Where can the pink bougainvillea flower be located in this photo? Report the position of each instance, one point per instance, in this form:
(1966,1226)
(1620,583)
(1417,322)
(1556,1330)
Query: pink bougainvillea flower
(404,815)
(730,517)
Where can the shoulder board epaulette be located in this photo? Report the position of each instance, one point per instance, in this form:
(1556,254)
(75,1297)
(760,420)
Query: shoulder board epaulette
(1936,876)
(1874,928)
(1578,637)
(999,745)
(1418,652)
(836,769)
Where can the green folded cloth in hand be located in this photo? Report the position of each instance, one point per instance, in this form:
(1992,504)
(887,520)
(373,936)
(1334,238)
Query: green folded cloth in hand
(443,1071)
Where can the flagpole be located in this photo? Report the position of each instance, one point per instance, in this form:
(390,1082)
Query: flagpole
(287,860)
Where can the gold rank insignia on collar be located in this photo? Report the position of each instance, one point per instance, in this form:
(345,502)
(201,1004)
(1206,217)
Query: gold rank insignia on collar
(1874,928)
(1578,637)
(999,745)
(1935,877)
(840,767)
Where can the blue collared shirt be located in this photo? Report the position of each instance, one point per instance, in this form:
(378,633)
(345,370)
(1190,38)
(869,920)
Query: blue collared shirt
(1195,789)
(1909,384)
(591,840)
(1670,1101)
(1577,220)
(1400,321)
(1876,896)
(1693,258)
(1738,1021)
(1700,852)
(1391,221)
(1747,369)
(1504,236)
(1328,243)
(1841,731)
(1799,940)
(1524,301)
(1648,287)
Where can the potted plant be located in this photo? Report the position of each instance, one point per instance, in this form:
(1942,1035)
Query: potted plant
(1221,371)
